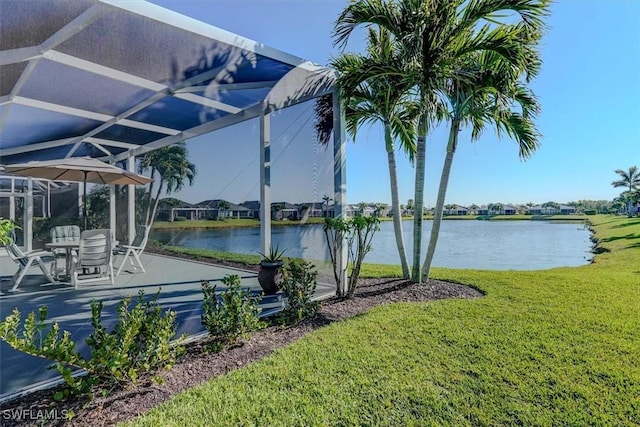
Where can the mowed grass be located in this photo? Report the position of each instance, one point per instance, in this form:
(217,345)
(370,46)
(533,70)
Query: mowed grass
(246,259)
(553,347)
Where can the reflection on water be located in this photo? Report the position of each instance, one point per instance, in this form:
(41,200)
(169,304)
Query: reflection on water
(490,245)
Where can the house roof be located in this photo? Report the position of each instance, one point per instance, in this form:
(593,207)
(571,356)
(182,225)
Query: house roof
(314,205)
(214,204)
(284,205)
(251,204)
(459,208)
(111,78)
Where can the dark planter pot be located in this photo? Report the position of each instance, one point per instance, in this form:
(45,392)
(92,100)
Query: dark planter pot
(270,276)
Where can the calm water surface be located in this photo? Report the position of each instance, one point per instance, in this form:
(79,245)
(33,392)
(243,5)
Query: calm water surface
(489,245)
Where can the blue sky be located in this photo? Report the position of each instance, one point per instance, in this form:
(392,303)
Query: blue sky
(589,89)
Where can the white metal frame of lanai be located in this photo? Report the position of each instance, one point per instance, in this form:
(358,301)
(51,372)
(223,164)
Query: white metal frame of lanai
(88,77)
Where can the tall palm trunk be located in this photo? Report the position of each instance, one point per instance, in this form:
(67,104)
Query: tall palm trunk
(155,203)
(442,191)
(149,199)
(418,202)
(395,202)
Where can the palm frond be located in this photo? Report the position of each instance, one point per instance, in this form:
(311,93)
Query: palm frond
(364,12)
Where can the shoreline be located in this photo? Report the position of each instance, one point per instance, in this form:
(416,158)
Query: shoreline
(243,223)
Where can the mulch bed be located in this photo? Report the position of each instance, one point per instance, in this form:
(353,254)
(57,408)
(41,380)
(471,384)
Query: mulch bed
(197,366)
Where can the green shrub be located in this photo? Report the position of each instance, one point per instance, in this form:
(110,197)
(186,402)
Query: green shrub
(32,339)
(180,218)
(299,282)
(590,212)
(6,229)
(138,345)
(231,315)
(357,233)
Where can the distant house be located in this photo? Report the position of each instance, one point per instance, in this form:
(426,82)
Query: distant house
(312,210)
(284,210)
(497,209)
(567,210)
(366,210)
(551,210)
(483,210)
(456,210)
(351,210)
(211,209)
(535,210)
(328,211)
(214,209)
(254,208)
(383,211)
(510,210)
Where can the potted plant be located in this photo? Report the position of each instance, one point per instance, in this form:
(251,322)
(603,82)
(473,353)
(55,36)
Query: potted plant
(6,231)
(270,274)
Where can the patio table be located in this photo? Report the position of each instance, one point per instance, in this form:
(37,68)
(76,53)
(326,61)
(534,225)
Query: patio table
(69,246)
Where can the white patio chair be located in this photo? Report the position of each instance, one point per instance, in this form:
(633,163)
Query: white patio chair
(94,261)
(133,251)
(28,260)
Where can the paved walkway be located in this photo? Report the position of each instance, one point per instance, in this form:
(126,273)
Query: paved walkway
(177,279)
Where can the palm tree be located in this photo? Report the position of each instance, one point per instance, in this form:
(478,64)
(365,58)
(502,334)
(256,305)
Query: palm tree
(381,99)
(325,204)
(433,38)
(172,167)
(485,93)
(629,179)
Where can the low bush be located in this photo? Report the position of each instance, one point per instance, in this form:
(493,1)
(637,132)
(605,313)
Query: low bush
(357,233)
(232,314)
(138,345)
(299,281)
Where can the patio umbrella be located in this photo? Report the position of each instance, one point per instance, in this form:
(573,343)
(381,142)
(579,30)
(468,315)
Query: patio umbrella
(78,169)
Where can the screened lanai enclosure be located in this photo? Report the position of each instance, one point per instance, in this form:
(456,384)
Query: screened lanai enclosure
(115,80)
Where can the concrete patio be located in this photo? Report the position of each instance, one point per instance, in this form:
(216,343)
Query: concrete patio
(177,279)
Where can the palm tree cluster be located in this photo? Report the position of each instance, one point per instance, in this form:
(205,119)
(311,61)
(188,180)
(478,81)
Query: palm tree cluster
(427,62)
(630,181)
(172,166)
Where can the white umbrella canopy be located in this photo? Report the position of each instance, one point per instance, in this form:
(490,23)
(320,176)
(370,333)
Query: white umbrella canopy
(78,169)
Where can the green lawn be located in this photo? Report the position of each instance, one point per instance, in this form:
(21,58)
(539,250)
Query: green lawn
(553,347)
(217,255)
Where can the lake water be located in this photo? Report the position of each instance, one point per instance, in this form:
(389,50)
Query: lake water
(489,245)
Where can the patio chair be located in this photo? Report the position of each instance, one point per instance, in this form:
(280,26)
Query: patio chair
(133,251)
(94,261)
(28,260)
(63,233)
